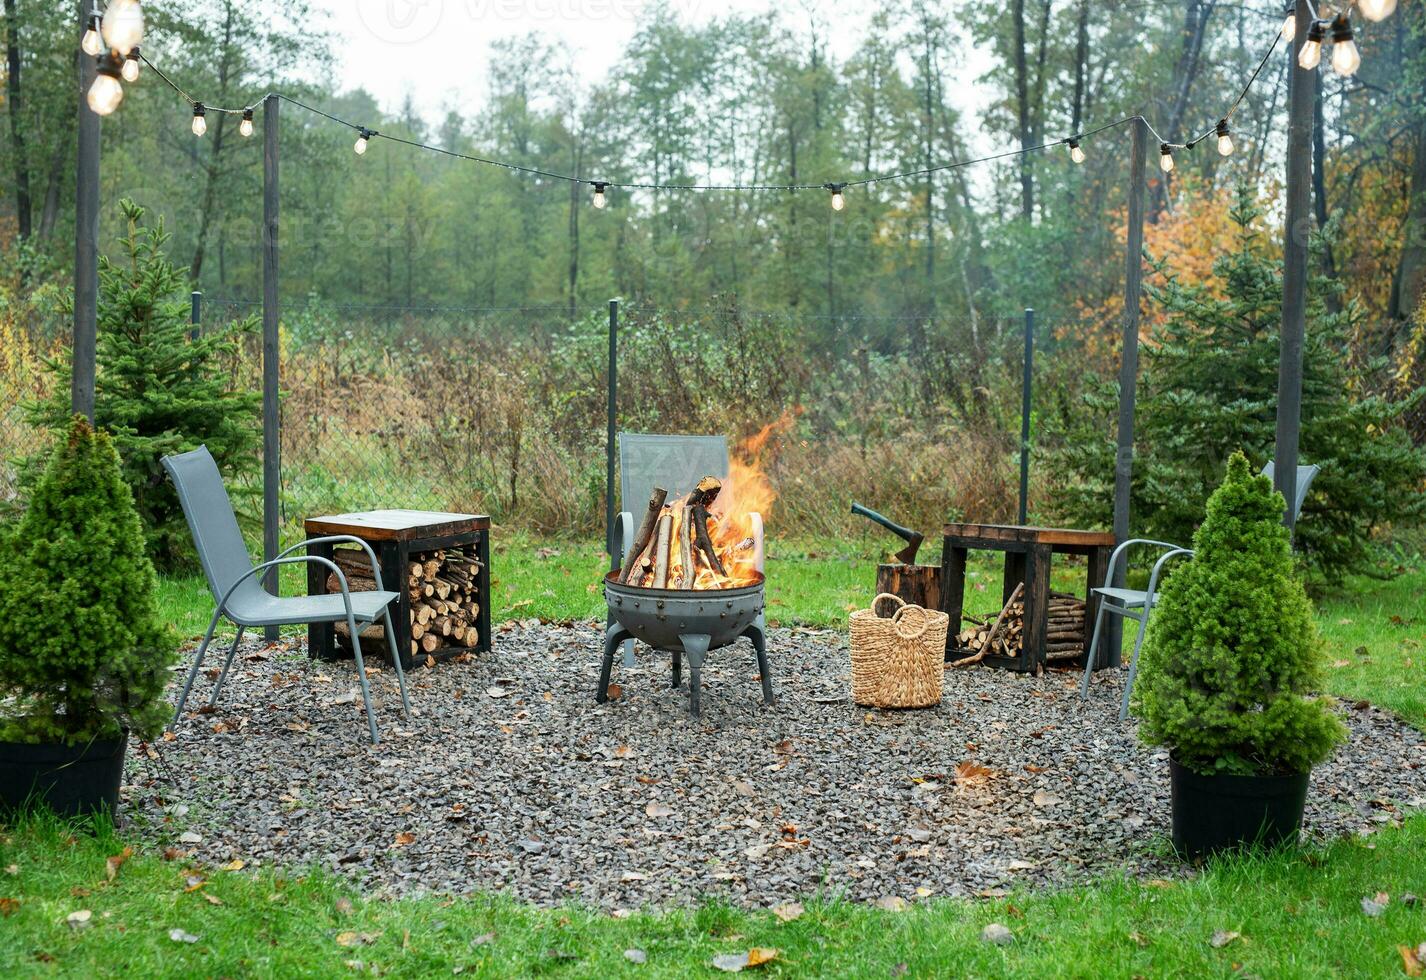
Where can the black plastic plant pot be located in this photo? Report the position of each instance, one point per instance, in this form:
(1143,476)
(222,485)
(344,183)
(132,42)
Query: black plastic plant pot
(1223,813)
(71,780)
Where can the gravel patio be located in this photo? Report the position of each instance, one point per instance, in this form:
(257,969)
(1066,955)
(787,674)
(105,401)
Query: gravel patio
(510,778)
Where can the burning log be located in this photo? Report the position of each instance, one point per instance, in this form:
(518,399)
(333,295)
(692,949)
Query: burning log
(699,515)
(640,544)
(661,556)
(687,573)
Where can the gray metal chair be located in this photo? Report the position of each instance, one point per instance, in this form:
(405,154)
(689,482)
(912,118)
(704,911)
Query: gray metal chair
(233,580)
(675,463)
(1305,476)
(1129,604)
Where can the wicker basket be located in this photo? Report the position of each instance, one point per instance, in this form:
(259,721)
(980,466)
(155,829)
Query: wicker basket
(898,662)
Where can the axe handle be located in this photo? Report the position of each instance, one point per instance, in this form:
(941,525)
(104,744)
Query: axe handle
(905,534)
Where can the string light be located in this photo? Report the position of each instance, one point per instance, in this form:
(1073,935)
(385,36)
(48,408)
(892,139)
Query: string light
(131,66)
(364,136)
(1076,151)
(123,26)
(106,92)
(599,200)
(1166,158)
(838,200)
(1375,10)
(200,119)
(1311,54)
(1289,26)
(246,126)
(1346,59)
(1225,141)
(92,44)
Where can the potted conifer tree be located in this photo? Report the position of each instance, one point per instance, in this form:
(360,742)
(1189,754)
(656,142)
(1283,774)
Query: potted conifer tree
(1228,677)
(84,657)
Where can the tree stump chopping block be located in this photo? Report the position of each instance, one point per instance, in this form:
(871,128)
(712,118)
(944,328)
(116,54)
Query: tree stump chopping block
(919,585)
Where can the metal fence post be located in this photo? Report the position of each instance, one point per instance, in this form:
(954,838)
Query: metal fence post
(1025,392)
(611,435)
(86,240)
(271,444)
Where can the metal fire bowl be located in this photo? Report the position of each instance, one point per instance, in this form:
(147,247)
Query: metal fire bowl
(660,617)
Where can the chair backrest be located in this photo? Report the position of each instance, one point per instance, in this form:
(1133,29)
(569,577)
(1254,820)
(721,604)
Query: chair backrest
(220,546)
(1305,476)
(675,463)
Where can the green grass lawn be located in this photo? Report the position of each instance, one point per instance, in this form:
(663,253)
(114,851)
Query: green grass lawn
(1296,914)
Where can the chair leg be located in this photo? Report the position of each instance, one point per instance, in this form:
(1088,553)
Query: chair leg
(1093,648)
(396,662)
(227,665)
(361,678)
(696,646)
(1134,663)
(615,635)
(193,671)
(759,639)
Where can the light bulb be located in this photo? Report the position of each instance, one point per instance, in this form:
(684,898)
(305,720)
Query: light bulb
(200,119)
(92,44)
(123,25)
(105,94)
(360,145)
(1376,9)
(1225,141)
(1289,27)
(1076,151)
(131,66)
(1346,59)
(246,126)
(838,201)
(1310,55)
(1165,158)
(599,200)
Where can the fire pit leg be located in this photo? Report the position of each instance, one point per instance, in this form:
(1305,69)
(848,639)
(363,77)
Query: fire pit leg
(696,646)
(759,640)
(616,635)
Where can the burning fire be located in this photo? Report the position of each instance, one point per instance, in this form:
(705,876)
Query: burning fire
(741,493)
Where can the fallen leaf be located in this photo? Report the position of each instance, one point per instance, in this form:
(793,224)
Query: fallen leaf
(1046,798)
(759,955)
(972,774)
(179,936)
(212,899)
(1375,906)
(788,911)
(1413,961)
(636,956)
(997,935)
(404,839)
(623,752)
(892,903)
(497,692)
(615,692)
(923,892)
(350,939)
(8,906)
(237,864)
(114,862)
(657,809)
(190,837)
(79,919)
(483,939)
(1223,937)
(12,869)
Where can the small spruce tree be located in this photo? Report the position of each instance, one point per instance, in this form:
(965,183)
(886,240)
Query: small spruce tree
(81,644)
(158,389)
(1232,658)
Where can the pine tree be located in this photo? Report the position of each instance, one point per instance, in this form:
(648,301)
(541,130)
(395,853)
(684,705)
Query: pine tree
(158,389)
(81,641)
(1208,386)
(1232,655)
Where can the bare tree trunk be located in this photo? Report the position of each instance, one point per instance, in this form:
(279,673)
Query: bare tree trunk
(1022,99)
(1081,65)
(23,209)
(1408,288)
(1195,25)
(214,166)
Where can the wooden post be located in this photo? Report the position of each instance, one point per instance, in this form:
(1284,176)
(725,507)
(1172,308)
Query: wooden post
(610,436)
(271,435)
(1298,222)
(86,239)
(1128,362)
(1025,417)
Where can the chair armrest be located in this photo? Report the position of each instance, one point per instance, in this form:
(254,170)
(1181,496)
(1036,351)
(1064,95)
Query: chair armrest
(1158,567)
(759,551)
(370,554)
(1114,557)
(623,537)
(304,560)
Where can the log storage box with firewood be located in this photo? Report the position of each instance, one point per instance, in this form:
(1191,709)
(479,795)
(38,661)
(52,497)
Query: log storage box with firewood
(437,563)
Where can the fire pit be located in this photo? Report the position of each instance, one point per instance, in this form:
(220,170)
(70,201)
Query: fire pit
(689,585)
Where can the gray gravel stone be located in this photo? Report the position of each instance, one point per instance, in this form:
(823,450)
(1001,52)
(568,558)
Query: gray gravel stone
(546,795)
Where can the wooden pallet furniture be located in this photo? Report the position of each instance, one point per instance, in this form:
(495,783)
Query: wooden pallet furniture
(398,536)
(1028,552)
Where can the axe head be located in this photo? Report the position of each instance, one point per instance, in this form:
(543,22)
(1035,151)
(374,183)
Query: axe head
(907,555)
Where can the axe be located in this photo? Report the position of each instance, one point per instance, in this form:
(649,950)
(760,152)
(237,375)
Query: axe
(913,539)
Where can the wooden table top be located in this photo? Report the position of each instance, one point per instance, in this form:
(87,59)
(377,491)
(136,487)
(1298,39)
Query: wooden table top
(397,525)
(1032,535)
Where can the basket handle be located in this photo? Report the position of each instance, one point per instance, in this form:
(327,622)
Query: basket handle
(915,633)
(894,598)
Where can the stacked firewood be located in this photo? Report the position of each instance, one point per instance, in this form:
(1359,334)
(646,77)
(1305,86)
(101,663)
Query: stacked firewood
(443,587)
(673,541)
(1004,635)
